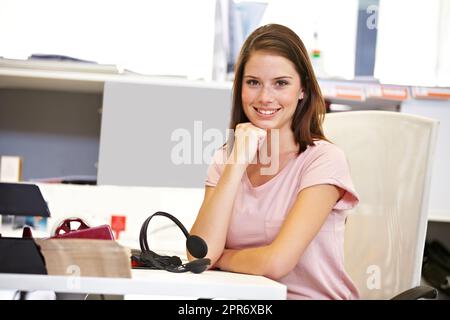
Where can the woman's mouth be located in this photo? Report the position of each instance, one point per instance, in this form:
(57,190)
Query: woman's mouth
(265,112)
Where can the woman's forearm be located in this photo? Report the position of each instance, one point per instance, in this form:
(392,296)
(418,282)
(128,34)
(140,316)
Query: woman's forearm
(214,216)
(256,261)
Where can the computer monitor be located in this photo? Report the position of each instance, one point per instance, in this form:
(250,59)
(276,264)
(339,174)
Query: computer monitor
(145,125)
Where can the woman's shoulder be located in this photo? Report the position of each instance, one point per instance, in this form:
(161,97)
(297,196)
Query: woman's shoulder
(323,150)
(324,146)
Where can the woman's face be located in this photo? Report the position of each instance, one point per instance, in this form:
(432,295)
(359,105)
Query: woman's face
(271,89)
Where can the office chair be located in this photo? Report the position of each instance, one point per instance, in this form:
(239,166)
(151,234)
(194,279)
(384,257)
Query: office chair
(390,156)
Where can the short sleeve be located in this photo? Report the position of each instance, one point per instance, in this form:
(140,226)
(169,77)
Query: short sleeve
(328,165)
(215,169)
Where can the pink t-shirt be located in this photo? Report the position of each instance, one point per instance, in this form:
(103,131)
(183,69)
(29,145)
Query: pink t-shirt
(259,212)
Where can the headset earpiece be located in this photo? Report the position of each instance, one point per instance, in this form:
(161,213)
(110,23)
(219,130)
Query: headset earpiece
(196,246)
(198,266)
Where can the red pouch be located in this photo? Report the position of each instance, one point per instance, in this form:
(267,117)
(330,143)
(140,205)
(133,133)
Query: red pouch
(83,231)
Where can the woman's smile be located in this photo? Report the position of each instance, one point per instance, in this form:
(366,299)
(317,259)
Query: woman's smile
(266,113)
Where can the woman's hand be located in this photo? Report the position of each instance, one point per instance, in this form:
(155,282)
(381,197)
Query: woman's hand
(247,141)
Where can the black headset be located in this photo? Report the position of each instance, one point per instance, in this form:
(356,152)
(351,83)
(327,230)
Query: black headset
(196,246)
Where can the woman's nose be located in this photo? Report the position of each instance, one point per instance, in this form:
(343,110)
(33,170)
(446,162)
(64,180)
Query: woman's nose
(266,95)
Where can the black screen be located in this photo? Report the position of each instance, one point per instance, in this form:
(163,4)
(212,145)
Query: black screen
(22,200)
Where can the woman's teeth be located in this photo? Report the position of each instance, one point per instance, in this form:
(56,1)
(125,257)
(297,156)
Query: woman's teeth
(266,112)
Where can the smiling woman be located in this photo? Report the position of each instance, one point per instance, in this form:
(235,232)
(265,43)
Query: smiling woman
(288,223)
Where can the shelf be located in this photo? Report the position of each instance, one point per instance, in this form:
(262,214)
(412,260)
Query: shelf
(86,82)
(36,75)
(431,93)
(52,80)
(91,78)
(356,92)
(55,65)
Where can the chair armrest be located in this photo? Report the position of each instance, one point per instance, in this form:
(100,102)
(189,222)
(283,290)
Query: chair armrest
(417,293)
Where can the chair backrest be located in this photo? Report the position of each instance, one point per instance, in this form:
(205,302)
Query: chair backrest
(390,155)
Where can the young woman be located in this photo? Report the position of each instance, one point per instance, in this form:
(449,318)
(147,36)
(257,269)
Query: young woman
(283,217)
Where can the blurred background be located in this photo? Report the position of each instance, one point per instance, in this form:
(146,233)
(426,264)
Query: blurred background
(398,42)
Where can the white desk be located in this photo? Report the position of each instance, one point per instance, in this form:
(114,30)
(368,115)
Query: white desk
(210,284)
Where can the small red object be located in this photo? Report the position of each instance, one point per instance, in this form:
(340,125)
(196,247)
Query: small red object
(118,224)
(67,230)
(26,232)
(70,225)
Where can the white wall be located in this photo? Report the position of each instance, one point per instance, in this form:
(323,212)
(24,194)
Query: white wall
(443,62)
(170,37)
(440,191)
(413,46)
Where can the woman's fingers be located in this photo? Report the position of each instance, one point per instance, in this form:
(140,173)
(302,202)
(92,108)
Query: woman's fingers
(248,140)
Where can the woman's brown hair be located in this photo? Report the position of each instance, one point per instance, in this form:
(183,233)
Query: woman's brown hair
(309,114)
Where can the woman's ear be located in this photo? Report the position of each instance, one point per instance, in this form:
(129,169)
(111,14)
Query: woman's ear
(300,97)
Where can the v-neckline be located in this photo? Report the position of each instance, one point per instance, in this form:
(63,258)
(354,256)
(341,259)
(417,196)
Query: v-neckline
(271,179)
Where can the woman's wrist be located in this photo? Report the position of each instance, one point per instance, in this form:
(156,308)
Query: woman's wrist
(236,169)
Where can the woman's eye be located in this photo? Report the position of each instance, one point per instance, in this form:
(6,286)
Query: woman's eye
(252,82)
(281,83)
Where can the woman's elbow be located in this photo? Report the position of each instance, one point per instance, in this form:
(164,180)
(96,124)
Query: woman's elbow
(278,267)
(276,273)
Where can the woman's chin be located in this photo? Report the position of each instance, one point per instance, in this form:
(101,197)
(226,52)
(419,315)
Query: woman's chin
(266,125)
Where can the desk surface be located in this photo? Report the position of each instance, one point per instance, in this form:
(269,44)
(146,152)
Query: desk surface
(210,284)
